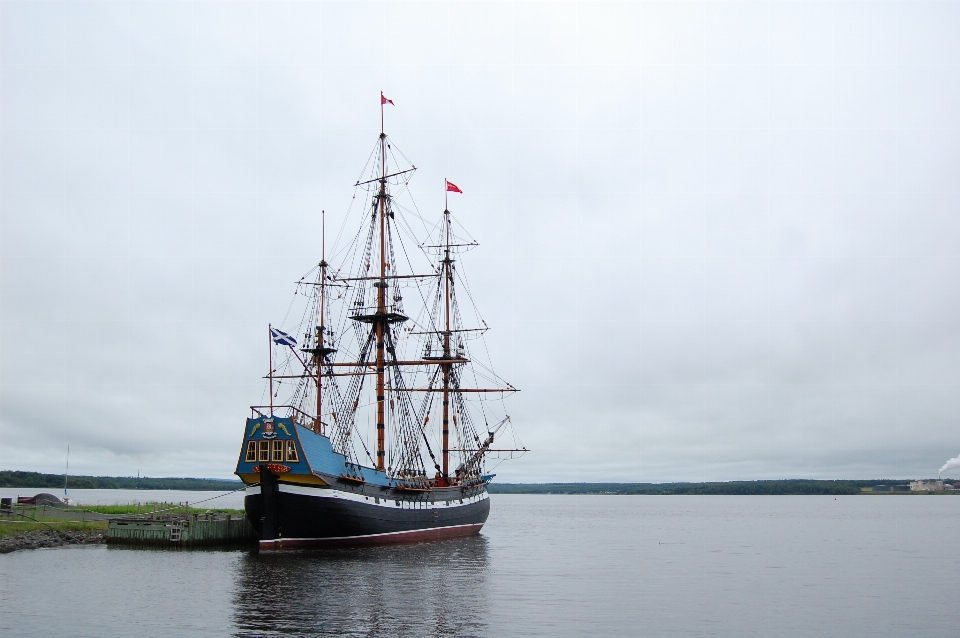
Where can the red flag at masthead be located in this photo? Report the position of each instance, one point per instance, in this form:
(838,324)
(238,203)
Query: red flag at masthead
(453,188)
(385,100)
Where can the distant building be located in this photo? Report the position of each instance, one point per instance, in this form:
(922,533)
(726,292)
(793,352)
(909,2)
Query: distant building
(881,488)
(900,488)
(926,486)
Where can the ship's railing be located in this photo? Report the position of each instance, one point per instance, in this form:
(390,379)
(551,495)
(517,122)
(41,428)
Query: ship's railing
(298,415)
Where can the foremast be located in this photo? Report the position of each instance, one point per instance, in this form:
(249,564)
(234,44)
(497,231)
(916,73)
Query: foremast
(447,274)
(451,359)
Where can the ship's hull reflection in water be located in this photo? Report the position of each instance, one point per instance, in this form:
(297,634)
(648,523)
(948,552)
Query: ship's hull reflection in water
(437,589)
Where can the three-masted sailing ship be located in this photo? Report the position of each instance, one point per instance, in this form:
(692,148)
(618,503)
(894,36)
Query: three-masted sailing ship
(379,357)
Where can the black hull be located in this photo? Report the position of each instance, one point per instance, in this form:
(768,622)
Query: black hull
(363,515)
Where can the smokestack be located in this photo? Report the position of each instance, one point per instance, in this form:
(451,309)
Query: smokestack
(952,464)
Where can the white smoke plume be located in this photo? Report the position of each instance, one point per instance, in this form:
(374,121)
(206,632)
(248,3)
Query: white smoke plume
(952,464)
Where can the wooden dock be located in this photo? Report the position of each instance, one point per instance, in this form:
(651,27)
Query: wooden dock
(192,530)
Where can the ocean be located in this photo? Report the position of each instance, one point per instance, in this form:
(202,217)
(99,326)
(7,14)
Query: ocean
(545,565)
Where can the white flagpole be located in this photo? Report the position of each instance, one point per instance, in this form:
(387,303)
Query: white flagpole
(270,346)
(66,472)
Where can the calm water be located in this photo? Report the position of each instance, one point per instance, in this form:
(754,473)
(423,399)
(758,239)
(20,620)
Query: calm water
(544,566)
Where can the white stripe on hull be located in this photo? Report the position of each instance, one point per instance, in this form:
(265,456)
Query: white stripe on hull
(384,501)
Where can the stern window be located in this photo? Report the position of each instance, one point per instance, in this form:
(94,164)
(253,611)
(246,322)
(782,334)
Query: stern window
(251,452)
(264,451)
(277,451)
(292,452)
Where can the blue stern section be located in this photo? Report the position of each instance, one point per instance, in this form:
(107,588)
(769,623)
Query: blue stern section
(322,458)
(312,455)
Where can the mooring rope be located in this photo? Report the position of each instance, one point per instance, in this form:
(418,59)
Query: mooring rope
(167,509)
(59,533)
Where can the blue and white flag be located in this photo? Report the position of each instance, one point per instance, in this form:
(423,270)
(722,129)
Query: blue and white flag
(282,338)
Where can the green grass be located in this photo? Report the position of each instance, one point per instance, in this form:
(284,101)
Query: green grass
(146,508)
(10,528)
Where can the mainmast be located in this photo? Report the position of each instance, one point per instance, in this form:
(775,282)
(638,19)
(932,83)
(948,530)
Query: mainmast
(381,284)
(408,422)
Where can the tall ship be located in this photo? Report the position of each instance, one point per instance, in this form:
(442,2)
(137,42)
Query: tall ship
(384,417)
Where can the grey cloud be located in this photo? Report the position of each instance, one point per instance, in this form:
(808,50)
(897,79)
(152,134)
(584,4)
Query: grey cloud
(718,240)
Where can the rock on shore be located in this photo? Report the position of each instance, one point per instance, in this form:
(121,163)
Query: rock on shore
(36,539)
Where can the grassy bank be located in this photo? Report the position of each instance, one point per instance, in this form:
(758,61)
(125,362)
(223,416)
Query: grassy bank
(146,508)
(12,528)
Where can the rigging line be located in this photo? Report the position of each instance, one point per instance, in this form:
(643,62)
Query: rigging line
(374,152)
(405,398)
(429,258)
(488,365)
(468,426)
(363,444)
(419,289)
(334,253)
(466,287)
(404,225)
(301,282)
(349,249)
(463,228)
(485,365)
(349,404)
(419,215)
(415,211)
(428,231)
(287,313)
(368,203)
(406,211)
(386,178)
(398,172)
(393,147)
(335,250)
(309,312)
(476,382)
(365,255)
(406,405)
(489,375)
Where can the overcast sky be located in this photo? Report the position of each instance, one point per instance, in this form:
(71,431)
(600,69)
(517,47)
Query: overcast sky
(718,240)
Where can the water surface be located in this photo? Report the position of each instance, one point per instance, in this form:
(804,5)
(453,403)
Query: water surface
(544,566)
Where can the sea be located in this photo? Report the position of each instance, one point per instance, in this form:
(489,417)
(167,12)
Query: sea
(544,565)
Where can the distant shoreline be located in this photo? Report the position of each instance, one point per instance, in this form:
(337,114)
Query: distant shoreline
(730,488)
(29,480)
(25,480)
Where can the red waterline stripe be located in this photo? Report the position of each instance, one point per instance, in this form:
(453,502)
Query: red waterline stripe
(392,538)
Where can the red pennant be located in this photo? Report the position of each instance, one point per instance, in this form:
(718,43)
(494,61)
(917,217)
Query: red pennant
(453,188)
(385,100)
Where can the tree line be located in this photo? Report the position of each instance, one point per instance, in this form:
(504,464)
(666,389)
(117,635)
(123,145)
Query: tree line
(10,478)
(777,487)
